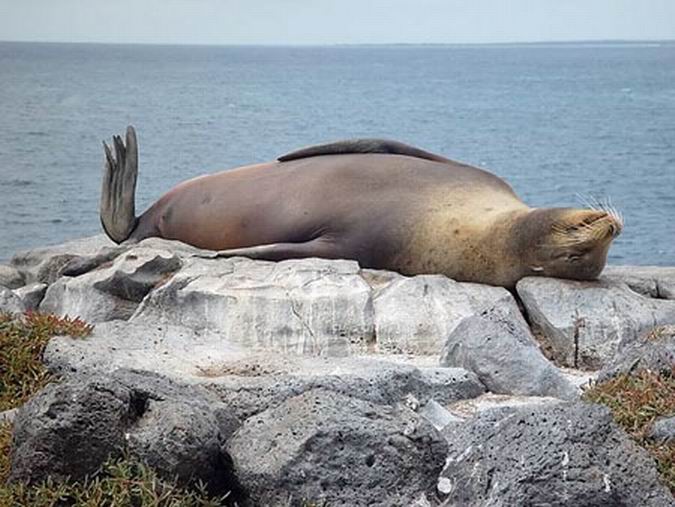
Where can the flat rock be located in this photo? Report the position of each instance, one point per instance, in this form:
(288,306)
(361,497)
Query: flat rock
(250,382)
(583,324)
(309,306)
(373,380)
(562,454)
(414,315)
(323,446)
(498,346)
(71,429)
(112,292)
(10,277)
(175,351)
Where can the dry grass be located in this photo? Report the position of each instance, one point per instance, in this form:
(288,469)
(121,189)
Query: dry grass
(636,401)
(22,343)
(5,445)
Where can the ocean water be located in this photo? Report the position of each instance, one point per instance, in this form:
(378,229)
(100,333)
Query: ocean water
(556,121)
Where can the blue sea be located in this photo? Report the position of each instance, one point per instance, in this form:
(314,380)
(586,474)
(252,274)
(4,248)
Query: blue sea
(557,121)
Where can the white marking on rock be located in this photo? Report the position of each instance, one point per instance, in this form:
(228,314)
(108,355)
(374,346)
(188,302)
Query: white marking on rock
(608,484)
(444,485)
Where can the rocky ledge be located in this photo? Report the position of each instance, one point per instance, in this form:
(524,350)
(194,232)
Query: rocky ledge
(311,380)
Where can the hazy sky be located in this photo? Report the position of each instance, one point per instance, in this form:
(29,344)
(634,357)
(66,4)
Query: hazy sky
(334,21)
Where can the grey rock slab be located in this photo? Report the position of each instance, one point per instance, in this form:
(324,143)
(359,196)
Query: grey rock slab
(44,264)
(651,281)
(562,454)
(112,292)
(499,348)
(654,350)
(250,382)
(256,384)
(323,446)
(583,324)
(309,306)
(175,351)
(414,315)
(10,277)
(71,429)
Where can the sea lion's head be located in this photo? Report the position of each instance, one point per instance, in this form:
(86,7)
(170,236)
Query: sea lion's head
(567,242)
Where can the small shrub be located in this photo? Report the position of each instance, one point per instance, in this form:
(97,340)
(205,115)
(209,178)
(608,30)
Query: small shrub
(636,401)
(22,343)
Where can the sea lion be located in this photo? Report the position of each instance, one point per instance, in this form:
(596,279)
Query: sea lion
(382,203)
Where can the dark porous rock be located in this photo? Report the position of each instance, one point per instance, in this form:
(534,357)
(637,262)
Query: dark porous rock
(71,429)
(323,446)
(562,454)
(10,277)
(498,346)
(654,351)
(663,430)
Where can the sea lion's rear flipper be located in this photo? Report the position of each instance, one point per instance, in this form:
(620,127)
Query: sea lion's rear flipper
(319,247)
(118,209)
(362,146)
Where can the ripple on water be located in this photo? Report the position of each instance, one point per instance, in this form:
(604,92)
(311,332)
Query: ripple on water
(16,182)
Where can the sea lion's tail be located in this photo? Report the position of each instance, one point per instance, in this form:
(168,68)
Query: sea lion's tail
(118,208)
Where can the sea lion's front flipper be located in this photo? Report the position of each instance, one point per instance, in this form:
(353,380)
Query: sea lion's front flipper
(320,247)
(363,146)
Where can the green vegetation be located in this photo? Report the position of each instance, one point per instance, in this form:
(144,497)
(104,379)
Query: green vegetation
(22,343)
(636,401)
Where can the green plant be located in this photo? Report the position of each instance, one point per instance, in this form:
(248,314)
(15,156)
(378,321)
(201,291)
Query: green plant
(636,401)
(22,344)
